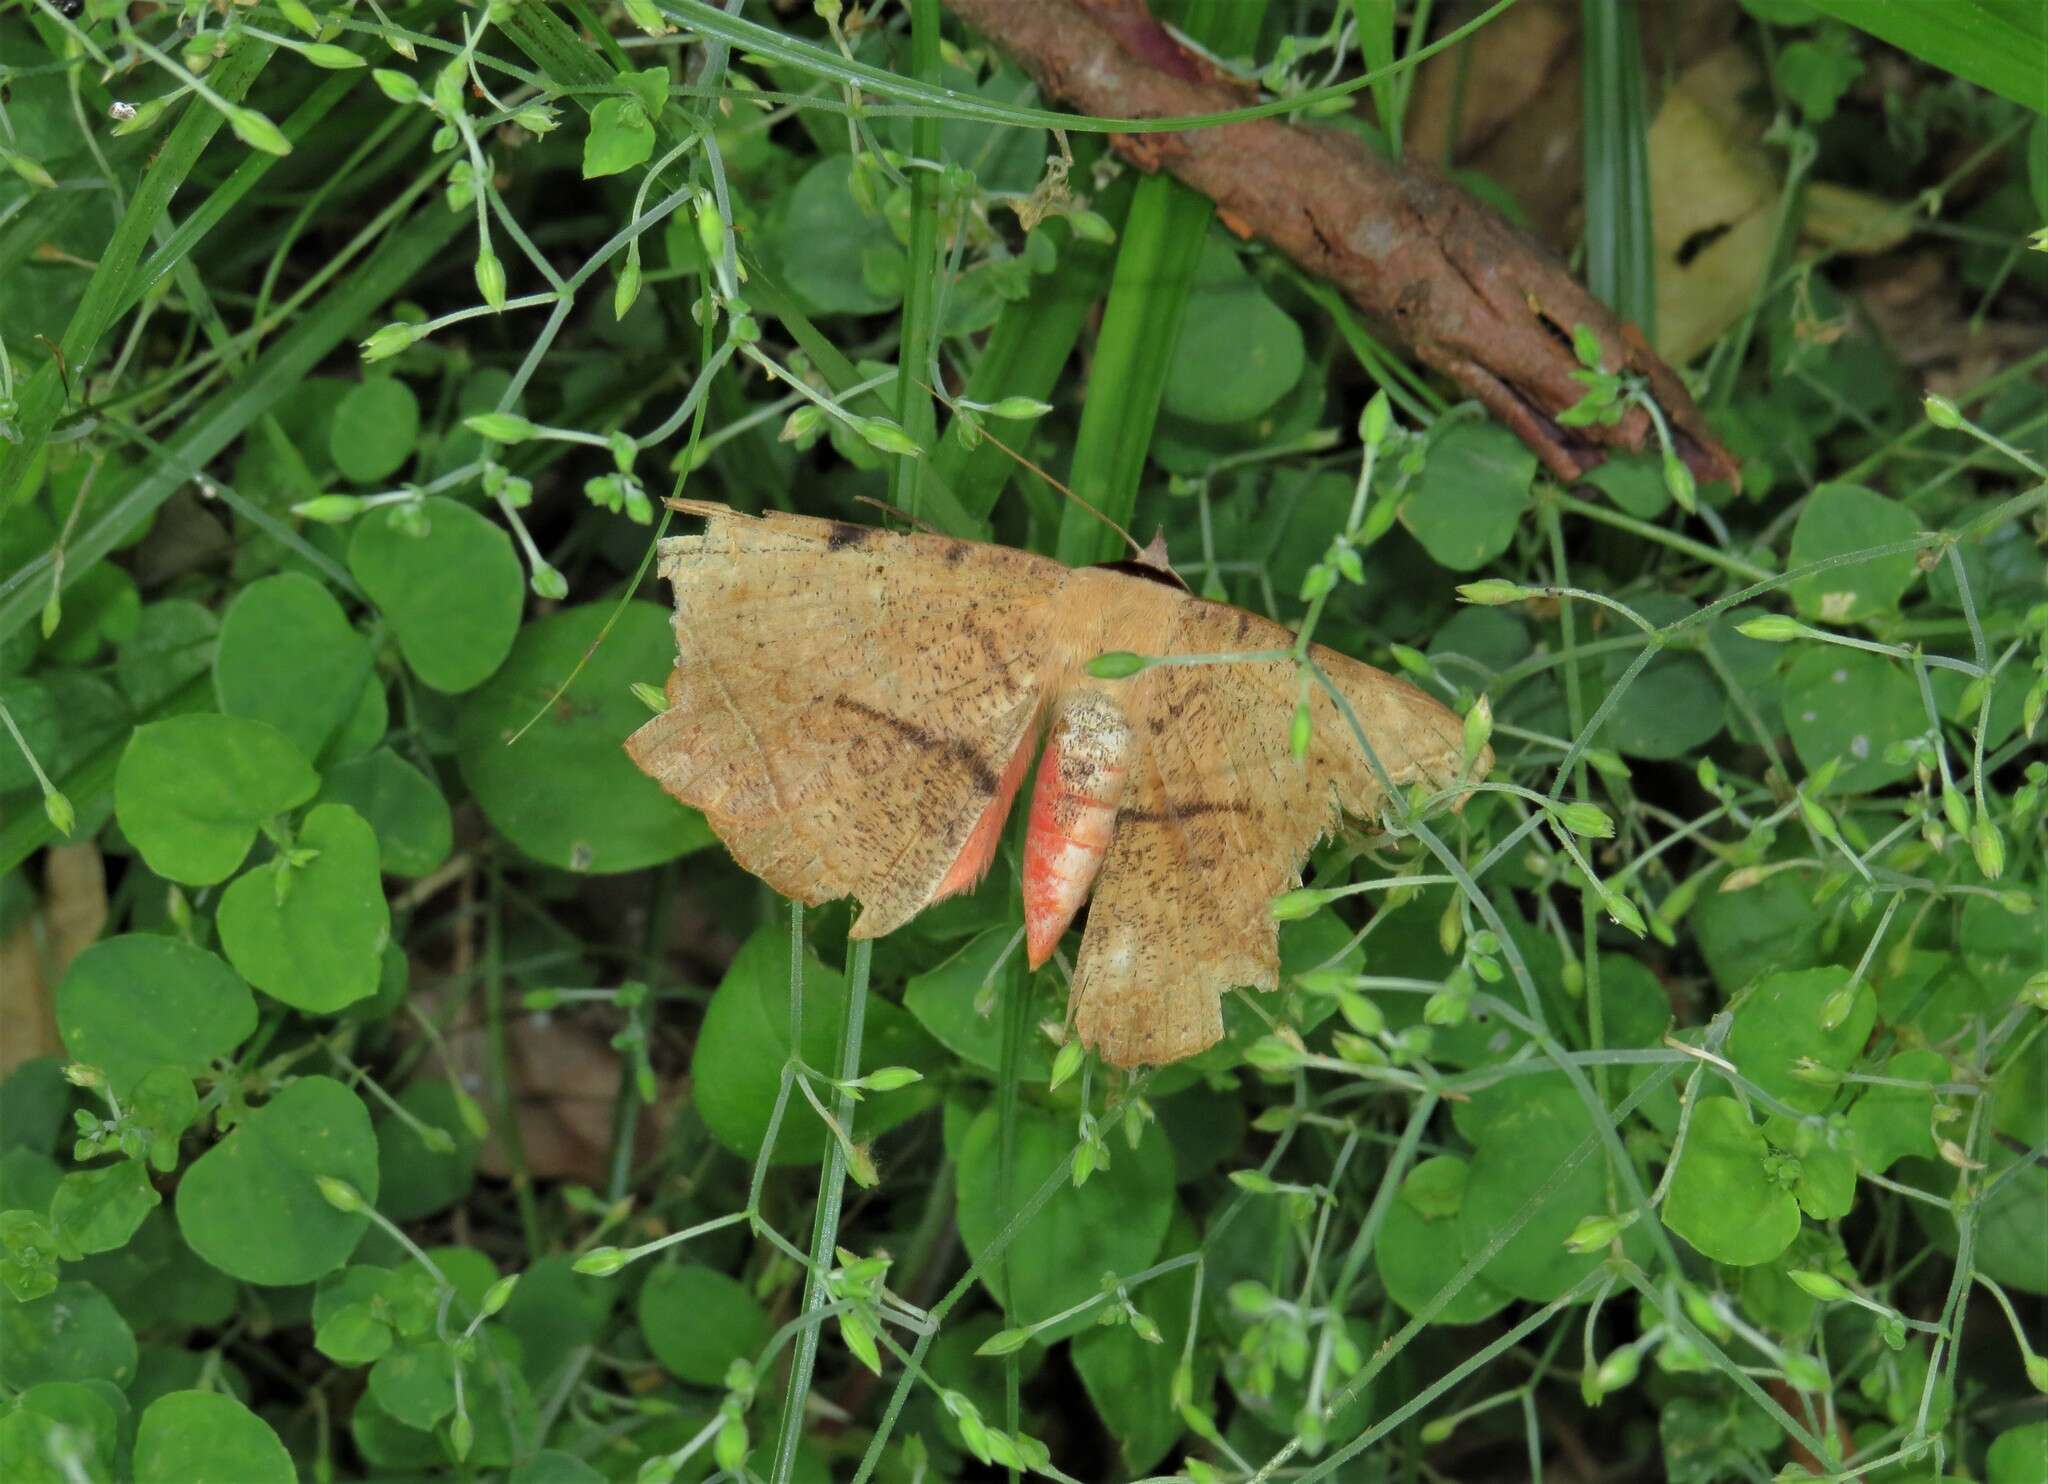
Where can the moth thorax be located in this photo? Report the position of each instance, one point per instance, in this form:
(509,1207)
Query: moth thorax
(1073,814)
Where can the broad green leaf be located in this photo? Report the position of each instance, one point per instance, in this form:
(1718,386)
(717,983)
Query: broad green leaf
(553,1311)
(1531,1128)
(1472,494)
(97,1210)
(697,1321)
(1674,706)
(2019,1455)
(620,138)
(71,1334)
(131,1004)
(1839,519)
(173,644)
(1417,1251)
(190,792)
(61,1432)
(945,1001)
(375,427)
(34,1099)
(1841,703)
(451,592)
(1771,925)
(551,1466)
(1722,1199)
(820,237)
(402,806)
(415,1181)
(565,793)
(289,656)
(1130,1379)
(202,1435)
(416,1383)
(314,939)
(250,1205)
(744,1041)
(1887,1123)
(1238,352)
(1778,1026)
(1113,1223)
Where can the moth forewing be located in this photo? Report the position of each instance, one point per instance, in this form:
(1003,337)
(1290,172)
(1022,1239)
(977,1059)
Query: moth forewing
(853,710)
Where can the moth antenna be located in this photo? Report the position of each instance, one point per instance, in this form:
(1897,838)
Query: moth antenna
(901,514)
(1137,551)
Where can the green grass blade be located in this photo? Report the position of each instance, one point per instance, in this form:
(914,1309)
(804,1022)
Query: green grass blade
(908,477)
(1024,355)
(1997,44)
(1620,266)
(43,396)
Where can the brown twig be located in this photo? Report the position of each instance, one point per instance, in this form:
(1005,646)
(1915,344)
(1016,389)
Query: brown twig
(1465,291)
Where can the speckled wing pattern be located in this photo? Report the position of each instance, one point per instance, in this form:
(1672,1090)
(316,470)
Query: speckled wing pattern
(1219,817)
(847,699)
(851,703)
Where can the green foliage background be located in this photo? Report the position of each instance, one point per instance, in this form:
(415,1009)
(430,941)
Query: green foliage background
(1677,1108)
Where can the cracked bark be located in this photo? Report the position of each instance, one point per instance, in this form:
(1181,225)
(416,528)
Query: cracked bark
(1438,271)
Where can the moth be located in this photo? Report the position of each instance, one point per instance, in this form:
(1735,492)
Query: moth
(854,711)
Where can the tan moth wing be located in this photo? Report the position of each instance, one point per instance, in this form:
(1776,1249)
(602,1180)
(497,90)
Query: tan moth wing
(849,702)
(854,709)
(1218,818)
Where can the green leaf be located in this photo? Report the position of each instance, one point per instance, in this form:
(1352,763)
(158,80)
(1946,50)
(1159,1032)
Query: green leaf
(172,644)
(190,792)
(450,585)
(820,237)
(565,793)
(71,1334)
(1238,352)
(190,1435)
(697,1321)
(1417,1251)
(1839,519)
(62,1431)
(289,656)
(1525,1133)
(415,1181)
(1129,1379)
(376,425)
(314,939)
(1778,1025)
(1674,706)
(1722,1200)
(1887,1124)
(1114,1223)
(2018,1455)
(1472,494)
(401,804)
(98,1210)
(744,1041)
(131,1004)
(416,1383)
(620,138)
(944,1001)
(1997,44)
(1842,703)
(250,1206)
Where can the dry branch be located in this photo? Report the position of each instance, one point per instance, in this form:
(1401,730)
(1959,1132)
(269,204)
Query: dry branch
(1464,290)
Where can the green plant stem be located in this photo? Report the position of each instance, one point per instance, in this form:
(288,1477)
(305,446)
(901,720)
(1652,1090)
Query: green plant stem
(914,412)
(831,1193)
(496,1039)
(1161,245)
